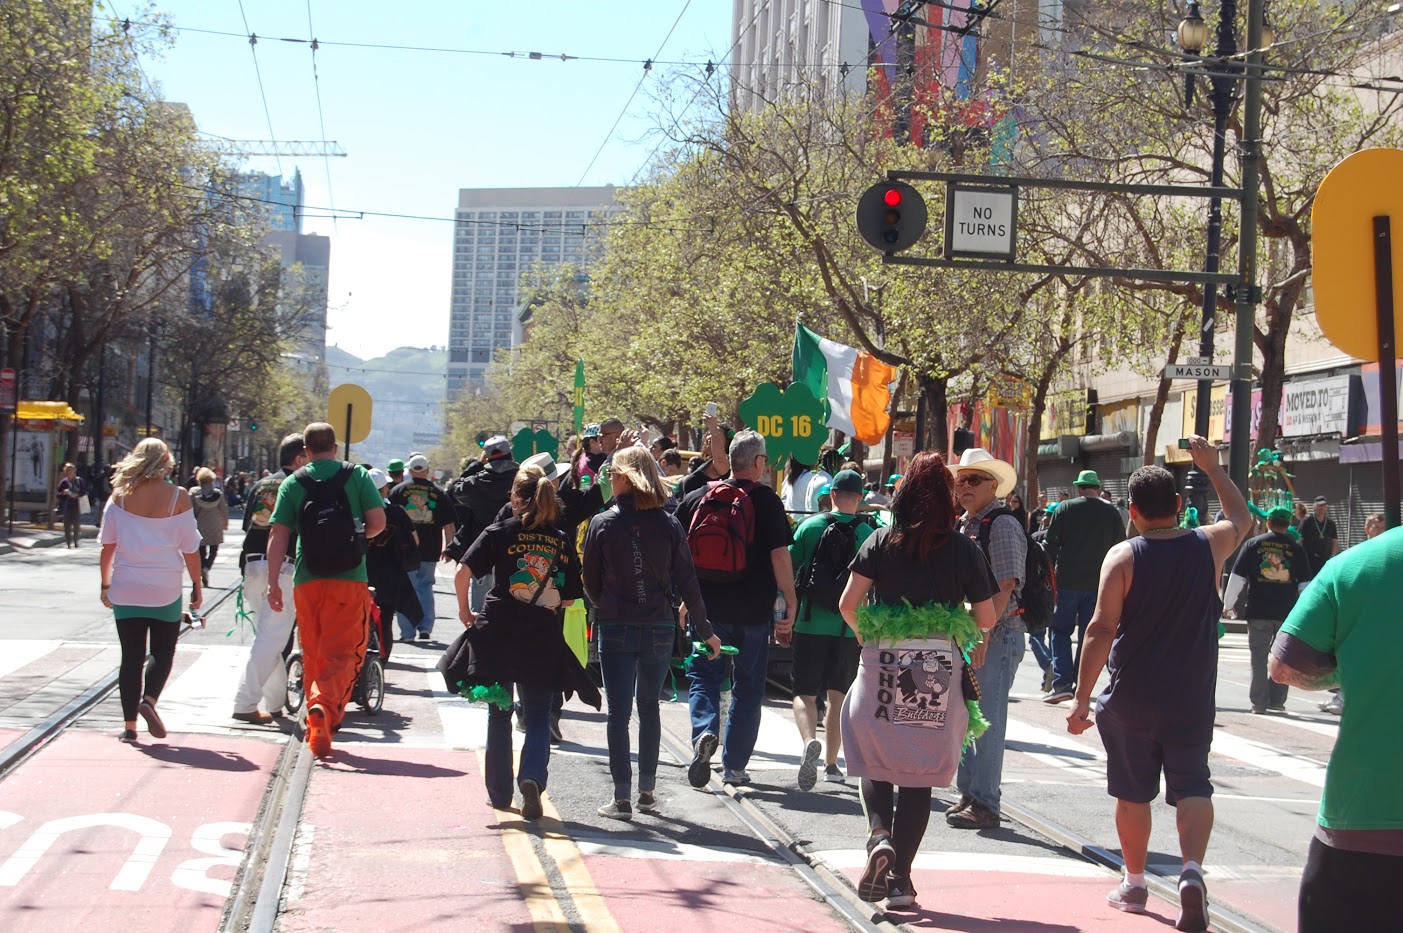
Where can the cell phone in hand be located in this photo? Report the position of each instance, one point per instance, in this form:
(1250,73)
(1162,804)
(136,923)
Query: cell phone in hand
(711,409)
(1184,443)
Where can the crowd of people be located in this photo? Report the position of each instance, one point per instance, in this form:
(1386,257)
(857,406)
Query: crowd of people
(908,609)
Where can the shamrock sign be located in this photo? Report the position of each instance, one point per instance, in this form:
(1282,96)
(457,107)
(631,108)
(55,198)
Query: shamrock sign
(791,421)
(528,443)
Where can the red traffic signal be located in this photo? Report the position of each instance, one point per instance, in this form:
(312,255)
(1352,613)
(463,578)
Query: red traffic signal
(891,216)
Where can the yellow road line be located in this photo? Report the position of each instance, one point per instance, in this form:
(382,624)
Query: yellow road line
(578,881)
(541,902)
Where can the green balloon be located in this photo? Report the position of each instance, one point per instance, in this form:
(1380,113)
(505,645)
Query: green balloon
(791,421)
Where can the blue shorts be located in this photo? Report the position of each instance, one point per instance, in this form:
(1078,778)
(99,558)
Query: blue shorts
(1135,760)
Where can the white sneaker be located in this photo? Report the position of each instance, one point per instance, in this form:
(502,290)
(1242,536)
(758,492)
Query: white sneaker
(808,764)
(1333,705)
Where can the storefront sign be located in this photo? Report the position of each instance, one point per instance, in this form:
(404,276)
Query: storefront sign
(1066,413)
(1318,406)
(1122,416)
(1369,373)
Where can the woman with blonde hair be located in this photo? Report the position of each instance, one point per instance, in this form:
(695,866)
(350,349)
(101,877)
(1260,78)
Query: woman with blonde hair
(211,517)
(518,638)
(148,540)
(636,556)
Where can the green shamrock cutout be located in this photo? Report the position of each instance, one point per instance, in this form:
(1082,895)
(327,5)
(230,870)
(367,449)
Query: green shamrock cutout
(791,421)
(528,443)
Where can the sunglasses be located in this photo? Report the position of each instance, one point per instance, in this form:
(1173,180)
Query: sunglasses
(972,479)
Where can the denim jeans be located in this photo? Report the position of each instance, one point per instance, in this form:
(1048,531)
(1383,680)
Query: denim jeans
(747,691)
(1072,613)
(1263,692)
(1042,653)
(423,581)
(634,660)
(982,768)
(535,750)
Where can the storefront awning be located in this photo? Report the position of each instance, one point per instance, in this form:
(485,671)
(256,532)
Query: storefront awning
(47,411)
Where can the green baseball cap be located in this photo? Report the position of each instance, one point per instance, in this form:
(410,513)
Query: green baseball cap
(1280,514)
(847,481)
(1087,478)
(893,479)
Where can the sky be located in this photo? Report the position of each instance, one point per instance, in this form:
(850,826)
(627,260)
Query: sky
(419,125)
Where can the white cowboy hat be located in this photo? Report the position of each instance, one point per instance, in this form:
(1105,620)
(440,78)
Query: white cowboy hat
(546,462)
(977,458)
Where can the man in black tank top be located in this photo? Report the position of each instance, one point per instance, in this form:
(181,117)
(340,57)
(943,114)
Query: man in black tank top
(1155,630)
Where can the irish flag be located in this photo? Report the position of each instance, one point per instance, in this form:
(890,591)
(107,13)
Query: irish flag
(856,384)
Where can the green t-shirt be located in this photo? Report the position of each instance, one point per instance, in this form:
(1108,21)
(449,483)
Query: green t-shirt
(1350,611)
(824,621)
(361,493)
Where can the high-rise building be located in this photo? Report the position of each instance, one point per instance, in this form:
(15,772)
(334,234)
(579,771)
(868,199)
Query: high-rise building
(501,233)
(282,201)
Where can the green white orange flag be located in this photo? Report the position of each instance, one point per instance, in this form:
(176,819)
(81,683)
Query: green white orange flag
(856,384)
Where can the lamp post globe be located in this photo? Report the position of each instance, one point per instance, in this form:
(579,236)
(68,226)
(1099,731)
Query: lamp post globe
(1193,31)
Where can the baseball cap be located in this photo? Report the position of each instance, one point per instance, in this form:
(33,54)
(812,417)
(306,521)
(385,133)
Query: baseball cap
(395,466)
(591,430)
(1321,500)
(1279,514)
(497,446)
(847,481)
(380,478)
(893,479)
(418,464)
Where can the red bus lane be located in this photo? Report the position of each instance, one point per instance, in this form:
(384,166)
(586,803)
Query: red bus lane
(96,834)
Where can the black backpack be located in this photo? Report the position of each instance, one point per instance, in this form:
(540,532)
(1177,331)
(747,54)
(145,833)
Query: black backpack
(1039,592)
(822,579)
(329,541)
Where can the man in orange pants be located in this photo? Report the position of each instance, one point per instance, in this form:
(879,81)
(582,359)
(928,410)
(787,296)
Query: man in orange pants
(334,507)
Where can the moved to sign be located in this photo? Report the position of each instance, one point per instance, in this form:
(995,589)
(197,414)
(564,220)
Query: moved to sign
(1320,406)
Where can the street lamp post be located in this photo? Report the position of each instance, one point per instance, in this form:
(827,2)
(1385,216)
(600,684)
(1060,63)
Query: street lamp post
(1192,34)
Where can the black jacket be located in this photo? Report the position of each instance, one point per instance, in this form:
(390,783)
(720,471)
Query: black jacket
(633,562)
(484,491)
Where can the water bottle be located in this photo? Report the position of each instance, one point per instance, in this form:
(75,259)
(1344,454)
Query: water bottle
(779,607)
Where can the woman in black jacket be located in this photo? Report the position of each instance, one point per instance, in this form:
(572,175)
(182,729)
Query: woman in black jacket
(635,555)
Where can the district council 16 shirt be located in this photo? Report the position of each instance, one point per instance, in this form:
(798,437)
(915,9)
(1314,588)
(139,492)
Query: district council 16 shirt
(360,492)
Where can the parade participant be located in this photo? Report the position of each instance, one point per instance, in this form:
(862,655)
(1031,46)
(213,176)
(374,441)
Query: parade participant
(1156,631)
(739,590)
(1318,534)
(395,470)
(592,454)
(434,523)
(148,538)
(1344,632)
(826,651)
(265,675)
(517,638)
(71,491)
(211,517)
(981,481)
(329,584)
(391,560)
(905,719)
(1082,530)
(481,495)
(717,464)
(1271,569)
(635,556)
(799,489)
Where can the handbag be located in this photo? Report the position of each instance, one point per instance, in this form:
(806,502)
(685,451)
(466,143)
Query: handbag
(453,665)
(969,684)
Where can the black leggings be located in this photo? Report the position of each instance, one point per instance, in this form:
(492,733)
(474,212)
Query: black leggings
(132,634)
(912,814)
(1340,883)
(207,552)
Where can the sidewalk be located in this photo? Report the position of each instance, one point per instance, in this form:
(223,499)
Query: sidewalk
(27,536)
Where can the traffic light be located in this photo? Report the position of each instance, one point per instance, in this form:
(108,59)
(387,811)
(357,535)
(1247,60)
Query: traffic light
(891,216)
(253,425)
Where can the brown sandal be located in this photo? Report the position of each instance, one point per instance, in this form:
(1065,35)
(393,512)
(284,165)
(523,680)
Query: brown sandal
(153,719)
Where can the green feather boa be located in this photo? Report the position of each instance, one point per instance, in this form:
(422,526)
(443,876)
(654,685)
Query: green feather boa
(494,694)
(893,623)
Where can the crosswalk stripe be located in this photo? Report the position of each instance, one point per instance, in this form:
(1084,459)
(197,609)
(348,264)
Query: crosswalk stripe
(19,653)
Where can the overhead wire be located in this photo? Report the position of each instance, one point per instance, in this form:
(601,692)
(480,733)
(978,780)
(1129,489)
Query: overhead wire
(321,118)
(647,68)
(253,48)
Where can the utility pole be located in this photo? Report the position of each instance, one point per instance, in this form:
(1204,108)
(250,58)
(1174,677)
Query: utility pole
(1248,293)
(904,86)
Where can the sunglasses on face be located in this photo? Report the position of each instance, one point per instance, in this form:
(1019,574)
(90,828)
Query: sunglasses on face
(972,479)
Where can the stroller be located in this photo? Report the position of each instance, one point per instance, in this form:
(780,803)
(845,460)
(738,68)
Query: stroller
(370,685)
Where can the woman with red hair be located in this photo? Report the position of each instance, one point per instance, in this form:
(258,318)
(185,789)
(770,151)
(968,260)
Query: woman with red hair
(907,718)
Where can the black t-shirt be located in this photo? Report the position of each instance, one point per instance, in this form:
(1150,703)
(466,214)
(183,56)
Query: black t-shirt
(751,599)
(1273,564)
(527,562)
(697,479)
(428,507)
(1316,537)
(952,574)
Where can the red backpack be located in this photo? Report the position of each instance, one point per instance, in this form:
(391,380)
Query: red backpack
(721,530)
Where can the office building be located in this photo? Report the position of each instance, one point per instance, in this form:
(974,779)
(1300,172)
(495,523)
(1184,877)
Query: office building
(500,234)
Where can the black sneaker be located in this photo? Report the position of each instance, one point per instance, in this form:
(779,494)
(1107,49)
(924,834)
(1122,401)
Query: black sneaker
(900,894)
(425,636)
(531,800)
(874,883)
(1193,902)
(647,801)
(699,772)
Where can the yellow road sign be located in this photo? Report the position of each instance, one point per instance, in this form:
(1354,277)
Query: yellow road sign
(1362,187)
(348,411)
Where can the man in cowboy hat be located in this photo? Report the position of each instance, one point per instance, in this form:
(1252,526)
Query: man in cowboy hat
(981,482)
(1083,529)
